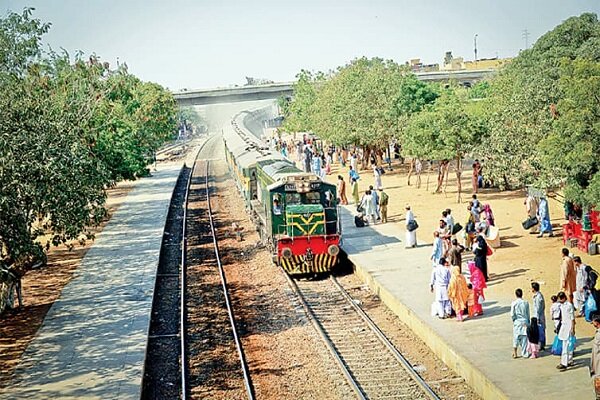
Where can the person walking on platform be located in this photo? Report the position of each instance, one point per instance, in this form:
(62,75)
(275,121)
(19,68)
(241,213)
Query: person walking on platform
(566,331)
(440,279)
(354,187)
(368,205)
(539,312)
(480,249)
(383,204)
(375,196)
(519,313)
(341,189)
(411,235)
(581,279)
(531,206)
(544,218)
(438,248)
(377,176)
(568,275)
(458,292)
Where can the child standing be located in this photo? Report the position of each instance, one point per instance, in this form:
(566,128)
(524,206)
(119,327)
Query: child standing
(533,338)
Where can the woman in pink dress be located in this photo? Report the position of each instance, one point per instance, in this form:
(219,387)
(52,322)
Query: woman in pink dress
(478,281)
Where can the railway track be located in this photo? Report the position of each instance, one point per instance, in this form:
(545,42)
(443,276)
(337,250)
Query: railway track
(370,363)
(174,329)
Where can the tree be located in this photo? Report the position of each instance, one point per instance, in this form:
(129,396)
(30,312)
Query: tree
(523,96)
(299,112)
(68,130)
(570,153)
(446,130)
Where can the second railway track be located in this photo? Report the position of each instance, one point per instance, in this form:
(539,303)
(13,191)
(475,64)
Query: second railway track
(371,364)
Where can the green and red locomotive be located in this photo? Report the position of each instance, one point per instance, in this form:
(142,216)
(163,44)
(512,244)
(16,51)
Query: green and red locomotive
(296,212)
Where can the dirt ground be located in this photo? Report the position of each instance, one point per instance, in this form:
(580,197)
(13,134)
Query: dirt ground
(522,258)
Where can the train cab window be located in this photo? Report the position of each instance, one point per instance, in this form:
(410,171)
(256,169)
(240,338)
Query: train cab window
(313,198)
(293,198)
(277,206)
(329,201)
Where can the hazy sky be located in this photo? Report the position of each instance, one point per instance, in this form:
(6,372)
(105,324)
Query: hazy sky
(198,44)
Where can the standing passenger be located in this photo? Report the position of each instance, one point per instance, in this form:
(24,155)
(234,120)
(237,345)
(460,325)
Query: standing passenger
(458,292)
(383,204)
(440,279)
(519,312)
(341,189)
(544,218)
(411,236)
(566,331)
(539,312)
(354,187)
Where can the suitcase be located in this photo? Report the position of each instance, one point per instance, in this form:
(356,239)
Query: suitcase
(592,248)
(530,222)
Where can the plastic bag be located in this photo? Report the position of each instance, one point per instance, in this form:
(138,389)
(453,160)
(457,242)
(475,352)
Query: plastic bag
(434,309)
(589,307)
(572,341)
(556,346)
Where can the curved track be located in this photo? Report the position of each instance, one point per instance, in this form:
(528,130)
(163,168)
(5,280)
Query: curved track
(370,363)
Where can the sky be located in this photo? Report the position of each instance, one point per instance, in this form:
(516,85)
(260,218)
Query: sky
(205,44)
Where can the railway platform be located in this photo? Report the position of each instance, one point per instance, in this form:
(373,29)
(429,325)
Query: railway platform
(92,342)
(478,349)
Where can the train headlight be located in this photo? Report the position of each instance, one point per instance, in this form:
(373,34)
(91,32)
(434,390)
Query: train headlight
(333,250)
(286,252)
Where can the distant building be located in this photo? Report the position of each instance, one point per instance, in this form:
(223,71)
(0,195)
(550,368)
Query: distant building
(452,63)
(417,66)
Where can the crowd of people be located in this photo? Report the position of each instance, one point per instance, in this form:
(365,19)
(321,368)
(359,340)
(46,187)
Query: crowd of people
(461,293)
(578,297)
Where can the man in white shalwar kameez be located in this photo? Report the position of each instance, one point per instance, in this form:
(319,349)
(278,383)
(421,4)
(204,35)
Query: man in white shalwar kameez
(411,237)
(440,279)
(567,329)
(519,313)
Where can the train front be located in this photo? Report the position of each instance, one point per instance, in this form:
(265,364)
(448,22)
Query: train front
(307,225)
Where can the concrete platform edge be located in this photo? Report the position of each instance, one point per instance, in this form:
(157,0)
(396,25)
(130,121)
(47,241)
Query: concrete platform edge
(480,383)
(164,225)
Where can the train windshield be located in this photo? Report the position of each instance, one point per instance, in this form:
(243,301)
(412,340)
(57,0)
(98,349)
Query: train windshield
(307,198)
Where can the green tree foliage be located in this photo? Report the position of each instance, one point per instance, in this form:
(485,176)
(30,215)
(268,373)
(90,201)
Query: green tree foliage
(366,101)
(448,129)
(523,97)
(68,130)
(299,111)
(570,153)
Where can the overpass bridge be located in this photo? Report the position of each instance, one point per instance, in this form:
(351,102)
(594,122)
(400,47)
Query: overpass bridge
(275,90)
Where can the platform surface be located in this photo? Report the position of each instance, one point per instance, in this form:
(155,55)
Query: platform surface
(93,340)
(479,349)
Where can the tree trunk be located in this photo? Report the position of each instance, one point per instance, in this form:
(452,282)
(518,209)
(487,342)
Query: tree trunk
(442,168)
(410,170)
(428,174)
(458,174)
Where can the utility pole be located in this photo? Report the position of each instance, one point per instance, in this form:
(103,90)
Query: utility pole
(525,36)
(475,46)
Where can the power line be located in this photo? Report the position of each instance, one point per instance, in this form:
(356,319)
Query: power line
(525,35)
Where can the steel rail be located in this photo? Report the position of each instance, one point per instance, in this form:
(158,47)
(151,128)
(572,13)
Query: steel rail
(381,336)
(238,344)
(183,279)
(316,324)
